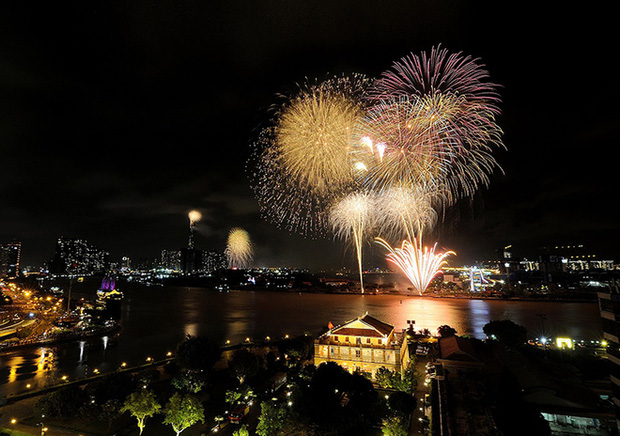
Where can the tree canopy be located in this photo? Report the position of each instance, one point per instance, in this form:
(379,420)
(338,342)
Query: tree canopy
(141,404)
(183,411)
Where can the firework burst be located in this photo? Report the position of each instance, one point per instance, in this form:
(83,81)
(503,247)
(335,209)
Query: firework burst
(405,213)
(351,219)
(239,250)
(420,264)
(301,162)
(453,115)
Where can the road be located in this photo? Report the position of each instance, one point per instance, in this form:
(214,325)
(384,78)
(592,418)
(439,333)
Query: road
(420,412)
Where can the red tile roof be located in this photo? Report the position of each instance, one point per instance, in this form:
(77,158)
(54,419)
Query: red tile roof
(383,327)
(346,331)
(376,328)
(456,348)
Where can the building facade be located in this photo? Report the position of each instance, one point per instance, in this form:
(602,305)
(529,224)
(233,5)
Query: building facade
(78,257)
(363,344)
(10,255)
(609,305)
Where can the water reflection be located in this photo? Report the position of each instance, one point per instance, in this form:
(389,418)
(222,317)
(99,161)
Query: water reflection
(82,345)
(159,318)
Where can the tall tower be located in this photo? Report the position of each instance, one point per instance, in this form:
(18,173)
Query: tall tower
(194,216)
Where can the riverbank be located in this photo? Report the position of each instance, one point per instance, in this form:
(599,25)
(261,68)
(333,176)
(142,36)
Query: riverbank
(67,337)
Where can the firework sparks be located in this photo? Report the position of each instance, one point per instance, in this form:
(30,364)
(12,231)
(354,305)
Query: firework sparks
(420,264)
(405,212)
(239,250)
(302,162)
(439,112)
(351,219)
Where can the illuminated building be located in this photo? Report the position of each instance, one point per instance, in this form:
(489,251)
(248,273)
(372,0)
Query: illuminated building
(171,260)
(10,254)
(363,344)
(609,306)
(78,257)
(109,300)
(212,261)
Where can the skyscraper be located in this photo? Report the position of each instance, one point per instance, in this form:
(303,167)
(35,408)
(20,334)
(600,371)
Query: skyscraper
(77,256)
(609,305)
(10,254)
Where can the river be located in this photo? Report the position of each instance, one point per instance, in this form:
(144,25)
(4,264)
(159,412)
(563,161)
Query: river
(155,319)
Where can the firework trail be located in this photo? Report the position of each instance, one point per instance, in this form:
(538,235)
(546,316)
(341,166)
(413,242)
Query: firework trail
(301,163)
(351,219)
(239,250)
(420,264)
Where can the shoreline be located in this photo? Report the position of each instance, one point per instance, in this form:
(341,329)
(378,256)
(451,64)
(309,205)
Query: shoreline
(592,298)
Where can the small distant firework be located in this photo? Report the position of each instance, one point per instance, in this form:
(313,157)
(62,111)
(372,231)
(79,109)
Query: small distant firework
(194,216)
(239,250)
(301,162)
(420,264)
(351,219)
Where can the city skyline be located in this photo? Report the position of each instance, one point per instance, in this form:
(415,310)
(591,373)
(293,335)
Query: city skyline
(117,122)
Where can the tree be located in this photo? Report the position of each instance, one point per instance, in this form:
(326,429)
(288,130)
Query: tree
(401,403)
(446,331)
(183,411)
(243,364)
(189,381)
(273,420)
(506,332)
(385,378)
(198,353)
(244,393)
(243,431)
(142,404)
(62,403)
(394,425)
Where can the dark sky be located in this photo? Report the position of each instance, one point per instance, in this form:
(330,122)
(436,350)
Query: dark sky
(117,118)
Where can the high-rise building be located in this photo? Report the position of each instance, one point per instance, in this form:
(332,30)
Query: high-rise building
(10,254)
(77,256)
(212,261)
(609,305)
(171,260)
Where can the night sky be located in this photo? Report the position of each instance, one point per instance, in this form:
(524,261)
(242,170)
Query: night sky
(117,118)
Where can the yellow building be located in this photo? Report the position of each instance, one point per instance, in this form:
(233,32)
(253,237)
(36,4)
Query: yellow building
(365,344)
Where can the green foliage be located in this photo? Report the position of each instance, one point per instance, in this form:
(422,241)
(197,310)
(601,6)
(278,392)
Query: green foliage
(142,404)
(506,332)
(243,431)
(62,403)
(339,402)
(183,411)
(405,382)
(242,393)
(243,364)
(189,381)
(273,420)
(394,425)
(198,353)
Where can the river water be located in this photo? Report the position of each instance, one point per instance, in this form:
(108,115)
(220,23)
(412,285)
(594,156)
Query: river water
(155,319)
